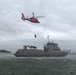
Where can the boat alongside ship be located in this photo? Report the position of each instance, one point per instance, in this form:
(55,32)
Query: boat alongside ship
(50,49)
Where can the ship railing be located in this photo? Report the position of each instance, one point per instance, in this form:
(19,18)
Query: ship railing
(65,50)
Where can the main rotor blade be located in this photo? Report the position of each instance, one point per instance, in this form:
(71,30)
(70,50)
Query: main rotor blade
(39,16)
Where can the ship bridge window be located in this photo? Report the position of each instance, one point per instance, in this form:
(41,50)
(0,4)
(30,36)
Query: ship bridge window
(48,44)
(54,45)
(57,49)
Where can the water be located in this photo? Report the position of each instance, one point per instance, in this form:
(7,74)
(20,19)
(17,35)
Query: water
(11,65)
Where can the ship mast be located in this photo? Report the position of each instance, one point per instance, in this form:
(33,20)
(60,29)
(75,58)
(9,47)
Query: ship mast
(48,38)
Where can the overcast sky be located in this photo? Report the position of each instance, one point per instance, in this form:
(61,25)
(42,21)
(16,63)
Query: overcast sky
(59,23)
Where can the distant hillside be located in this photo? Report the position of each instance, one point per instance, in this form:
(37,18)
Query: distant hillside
(4,51)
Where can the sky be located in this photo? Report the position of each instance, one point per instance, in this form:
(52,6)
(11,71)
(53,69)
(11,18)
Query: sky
(59,23)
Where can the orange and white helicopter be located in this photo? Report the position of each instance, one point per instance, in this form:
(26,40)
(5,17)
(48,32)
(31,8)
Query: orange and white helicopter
(31,19)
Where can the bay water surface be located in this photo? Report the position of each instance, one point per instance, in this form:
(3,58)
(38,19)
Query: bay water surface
(11,65)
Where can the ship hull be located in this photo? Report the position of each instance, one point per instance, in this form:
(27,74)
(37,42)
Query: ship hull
(39,53)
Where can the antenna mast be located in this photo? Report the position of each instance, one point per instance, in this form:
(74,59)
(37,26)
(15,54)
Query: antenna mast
(48,38)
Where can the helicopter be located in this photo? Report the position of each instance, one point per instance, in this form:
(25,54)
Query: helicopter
(32,19)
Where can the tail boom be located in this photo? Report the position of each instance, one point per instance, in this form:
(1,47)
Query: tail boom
(23,17)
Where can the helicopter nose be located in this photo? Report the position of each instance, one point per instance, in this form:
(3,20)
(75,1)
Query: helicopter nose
(38,22)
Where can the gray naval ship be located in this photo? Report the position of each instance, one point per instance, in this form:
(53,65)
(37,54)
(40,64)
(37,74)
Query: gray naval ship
(50,49)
